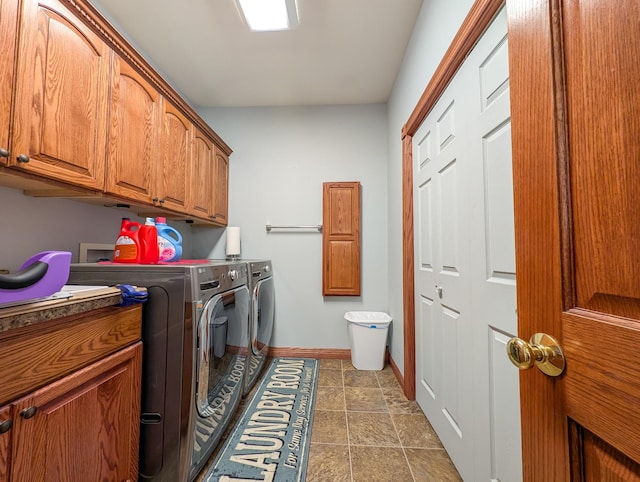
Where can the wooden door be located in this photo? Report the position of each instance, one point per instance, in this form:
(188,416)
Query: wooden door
(8,25)
(134,130)
(86,426)
(202,185)
(221,210)
(61,97)
(176,156)
(575,101)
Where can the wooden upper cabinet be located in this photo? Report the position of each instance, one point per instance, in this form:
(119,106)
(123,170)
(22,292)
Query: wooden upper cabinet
(221,207)
(174,166)
(209,180)
(202,184)
(92,114)
(134,129)
(341,239)
(8,25)
(61,99)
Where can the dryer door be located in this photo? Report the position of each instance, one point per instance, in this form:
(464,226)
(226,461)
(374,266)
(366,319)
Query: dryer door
(263,313)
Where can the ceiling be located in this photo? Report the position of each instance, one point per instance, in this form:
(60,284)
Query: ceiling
(342,51)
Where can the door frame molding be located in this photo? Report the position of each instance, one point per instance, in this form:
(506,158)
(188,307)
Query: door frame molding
(480,15)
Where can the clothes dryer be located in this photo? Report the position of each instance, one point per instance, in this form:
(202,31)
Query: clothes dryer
(262,312)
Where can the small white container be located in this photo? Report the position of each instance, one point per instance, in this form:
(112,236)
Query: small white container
(219,336)
(368,337)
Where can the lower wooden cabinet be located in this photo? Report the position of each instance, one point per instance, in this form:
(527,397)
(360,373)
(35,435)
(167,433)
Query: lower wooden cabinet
(70,398)
(6,424)
(84,427)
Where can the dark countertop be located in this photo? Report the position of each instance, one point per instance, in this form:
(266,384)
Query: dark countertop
(36,312)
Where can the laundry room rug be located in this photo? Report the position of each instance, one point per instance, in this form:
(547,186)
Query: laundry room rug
(271,439)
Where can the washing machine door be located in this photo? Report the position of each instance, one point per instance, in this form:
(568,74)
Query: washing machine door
(263,313)
(222,350)
(222,353)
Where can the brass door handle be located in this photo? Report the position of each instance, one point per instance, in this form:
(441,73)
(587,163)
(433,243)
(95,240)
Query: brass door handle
(542,351)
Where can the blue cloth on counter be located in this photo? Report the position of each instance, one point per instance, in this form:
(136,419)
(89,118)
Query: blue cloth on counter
(131,295)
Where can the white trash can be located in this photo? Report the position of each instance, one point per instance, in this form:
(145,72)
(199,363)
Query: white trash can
(368,337)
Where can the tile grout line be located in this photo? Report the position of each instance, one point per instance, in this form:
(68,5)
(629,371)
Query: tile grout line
(346,419)
(397,433)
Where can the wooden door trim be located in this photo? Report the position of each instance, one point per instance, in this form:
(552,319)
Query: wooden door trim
(480,15)
(537,105)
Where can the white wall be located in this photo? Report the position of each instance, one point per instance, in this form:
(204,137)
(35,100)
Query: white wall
(30,225)
(281,158)
(437,24)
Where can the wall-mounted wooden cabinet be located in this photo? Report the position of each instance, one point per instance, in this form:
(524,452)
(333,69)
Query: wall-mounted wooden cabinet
(133,147)
(60,111)
(209,180)
(202,176)
(8,26)
(341,239)
(175,158)
(221,206)
(93,121)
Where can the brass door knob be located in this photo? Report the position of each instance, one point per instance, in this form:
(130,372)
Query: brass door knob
(542,351)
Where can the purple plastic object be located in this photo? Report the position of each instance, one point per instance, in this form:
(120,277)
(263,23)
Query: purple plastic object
(57,275)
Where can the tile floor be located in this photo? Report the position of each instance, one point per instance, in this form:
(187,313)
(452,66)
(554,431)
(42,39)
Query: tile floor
(365,430)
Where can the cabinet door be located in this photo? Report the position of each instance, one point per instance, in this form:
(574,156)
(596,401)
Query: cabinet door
(134,129)
(8,16)
(86,425)
(176,156)
(6,431)
(341,239)
(222,187)
(61,97)
(202,186)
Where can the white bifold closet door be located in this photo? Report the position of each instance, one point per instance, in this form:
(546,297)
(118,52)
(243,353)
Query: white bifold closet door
(465,266)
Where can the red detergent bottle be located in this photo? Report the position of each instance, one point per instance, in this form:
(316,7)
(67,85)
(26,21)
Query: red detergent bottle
(149,240)
(128,247)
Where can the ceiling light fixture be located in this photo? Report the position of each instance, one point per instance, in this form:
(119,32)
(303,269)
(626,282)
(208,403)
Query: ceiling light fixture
(269,15)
